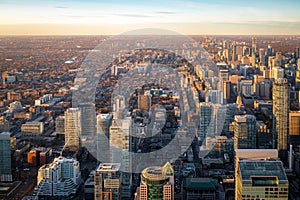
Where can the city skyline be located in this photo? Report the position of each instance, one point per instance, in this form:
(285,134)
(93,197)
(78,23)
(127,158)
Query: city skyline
(114,17)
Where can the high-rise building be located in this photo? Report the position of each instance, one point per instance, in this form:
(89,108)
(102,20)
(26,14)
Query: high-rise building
(297,52)
(120,146)
(281,117)
(294,134)
(104,121)
(226,91)
(261,180)
(5,157)
(144,101)
(234,53)
(245,132)
(262,57)
(72,128)
(253,45)
(120,143)
(215,97)
(61,178)
(277,72)
(259,175)
(157,183)
(88,119)
(60,125)
(119,106)
(223,74)
(206,118)
(107,182)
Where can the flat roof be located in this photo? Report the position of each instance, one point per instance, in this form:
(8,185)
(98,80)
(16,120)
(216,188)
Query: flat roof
(250,169)
(109,167)
(256,154)
(200,184)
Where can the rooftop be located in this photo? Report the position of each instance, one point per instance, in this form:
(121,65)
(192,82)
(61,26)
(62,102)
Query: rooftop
(200,184)
(107,167)
(256,154)
(264,169)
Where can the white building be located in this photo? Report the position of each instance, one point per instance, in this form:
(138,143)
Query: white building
(72,128)
(60,178)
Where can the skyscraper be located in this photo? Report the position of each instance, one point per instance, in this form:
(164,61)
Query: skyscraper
(72,128)
(107,182)
(226,91)
(88,119)
(245,132)
(5,157)
(206,117)
(104,122)
(234,53)
(281,117)
(253,45)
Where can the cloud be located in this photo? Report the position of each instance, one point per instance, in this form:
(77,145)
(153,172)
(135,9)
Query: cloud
(166,12)
(131,15)
(61,7)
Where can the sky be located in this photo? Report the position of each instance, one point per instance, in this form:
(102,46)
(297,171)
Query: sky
(93,17)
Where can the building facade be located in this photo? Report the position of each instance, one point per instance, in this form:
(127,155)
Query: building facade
(281,117)
(72,129)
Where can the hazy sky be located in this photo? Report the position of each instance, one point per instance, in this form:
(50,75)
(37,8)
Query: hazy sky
(116,16)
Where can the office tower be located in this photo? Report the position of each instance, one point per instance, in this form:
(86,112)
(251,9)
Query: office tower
(107,182)
(228,54)
(253,45)
(206,120)
(247,88)
(104,121)
(215,97)
(119,107)
(5,157)
(60,125)
(120,143)
(223,74)
(245,132)
(277,72)
(262,57)
(281,117)
(234,53)
(144,101)
(298,64)
(226,91)
(297,53)
(259,175)
(88,119)
(72,129)
(270,50)
(231,110)
(294,134)
(157,183)
(61,178)
(219,117)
